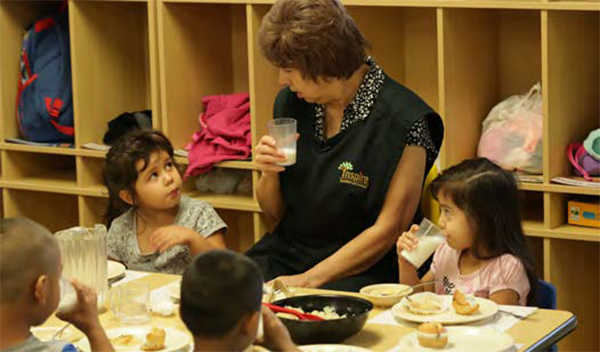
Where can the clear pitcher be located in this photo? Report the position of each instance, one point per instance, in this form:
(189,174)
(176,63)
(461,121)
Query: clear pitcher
(84,258)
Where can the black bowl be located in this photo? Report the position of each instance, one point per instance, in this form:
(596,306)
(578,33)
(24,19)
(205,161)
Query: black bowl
(326,331)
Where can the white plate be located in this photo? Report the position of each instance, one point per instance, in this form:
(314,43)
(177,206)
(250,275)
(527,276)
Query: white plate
(486,309)
(47,333)
(175,290)
(333,348)
(175,340)
(463,339)
(114,270)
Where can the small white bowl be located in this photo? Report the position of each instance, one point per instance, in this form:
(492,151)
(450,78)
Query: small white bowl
(385,295)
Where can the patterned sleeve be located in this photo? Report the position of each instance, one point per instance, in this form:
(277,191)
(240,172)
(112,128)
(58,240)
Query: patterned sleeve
(205,219)
(419,135)
(112,248)
(115,238)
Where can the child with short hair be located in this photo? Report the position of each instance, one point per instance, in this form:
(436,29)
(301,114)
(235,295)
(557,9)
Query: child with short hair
(485,253)
(152,227)
(221,294)
(30,271)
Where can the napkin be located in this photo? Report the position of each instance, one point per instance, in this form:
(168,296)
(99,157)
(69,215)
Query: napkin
(160,303)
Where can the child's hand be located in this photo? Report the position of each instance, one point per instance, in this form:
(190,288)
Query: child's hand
(84,315)
(276,336)
(169,236)
(408,241)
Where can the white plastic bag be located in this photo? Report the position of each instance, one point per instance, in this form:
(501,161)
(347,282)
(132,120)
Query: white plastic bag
(512,133)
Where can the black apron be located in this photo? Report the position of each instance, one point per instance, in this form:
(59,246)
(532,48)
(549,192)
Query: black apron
(337,188)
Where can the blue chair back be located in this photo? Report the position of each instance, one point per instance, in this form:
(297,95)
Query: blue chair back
(546,295)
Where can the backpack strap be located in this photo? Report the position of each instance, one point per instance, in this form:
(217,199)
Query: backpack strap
(53,107)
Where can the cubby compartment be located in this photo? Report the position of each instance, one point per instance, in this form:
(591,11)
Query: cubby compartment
(203,51)
(111,63)
(239,198)
(532,207)
(488,55)
(573,88)
(413,58)
(536,248)
(91,210)
(239,236)
(55,211)
(90,175)
(559,224)
(15,17)
(37,171)
(574,270)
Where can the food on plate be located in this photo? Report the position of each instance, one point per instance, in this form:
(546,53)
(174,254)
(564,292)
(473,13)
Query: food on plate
(432,335)
(425,304)
(328,313)
(155,340)
(125,341)
(463,304)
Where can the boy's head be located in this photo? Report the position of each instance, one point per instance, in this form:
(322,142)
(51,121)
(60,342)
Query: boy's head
(30,269)
(221,293)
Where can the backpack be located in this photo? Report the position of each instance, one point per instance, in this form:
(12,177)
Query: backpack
(44,98)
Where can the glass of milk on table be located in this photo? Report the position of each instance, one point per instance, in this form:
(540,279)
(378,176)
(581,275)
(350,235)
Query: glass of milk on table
(430,237)
(283,130)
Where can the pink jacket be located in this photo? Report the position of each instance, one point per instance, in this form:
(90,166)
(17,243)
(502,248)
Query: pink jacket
(225,133)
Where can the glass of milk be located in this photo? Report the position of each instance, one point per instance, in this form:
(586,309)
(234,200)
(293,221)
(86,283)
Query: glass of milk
(430,237)
(283,130)
(68,296)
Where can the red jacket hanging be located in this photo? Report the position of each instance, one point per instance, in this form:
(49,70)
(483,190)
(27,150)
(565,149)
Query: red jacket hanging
(225,133)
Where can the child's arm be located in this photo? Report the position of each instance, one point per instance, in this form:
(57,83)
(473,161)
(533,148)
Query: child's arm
(169,236)
(508,296)
(84,316)
(408,273)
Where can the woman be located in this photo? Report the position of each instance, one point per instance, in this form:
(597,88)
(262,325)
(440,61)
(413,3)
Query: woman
(365,146)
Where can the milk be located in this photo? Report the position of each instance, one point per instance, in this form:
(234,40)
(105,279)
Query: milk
(425,248)
(290,156)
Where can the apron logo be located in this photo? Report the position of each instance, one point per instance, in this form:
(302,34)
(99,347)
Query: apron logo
(353,178)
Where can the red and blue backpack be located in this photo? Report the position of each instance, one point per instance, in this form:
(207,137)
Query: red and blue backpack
(44,99)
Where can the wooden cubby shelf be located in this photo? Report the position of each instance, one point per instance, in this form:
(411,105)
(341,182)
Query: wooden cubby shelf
(462,56)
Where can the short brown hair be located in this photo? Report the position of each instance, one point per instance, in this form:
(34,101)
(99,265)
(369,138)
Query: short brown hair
(317,37)
(27,250)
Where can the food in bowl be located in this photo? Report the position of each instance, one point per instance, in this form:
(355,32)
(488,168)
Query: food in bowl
(425,303)
(385,295)
(383,292)
(353,312)
(463,304)
(155,340)
(432,335)
(327,313)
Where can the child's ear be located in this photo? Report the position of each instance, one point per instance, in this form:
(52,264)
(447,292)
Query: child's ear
(250,324)
(126,196)
(41,289)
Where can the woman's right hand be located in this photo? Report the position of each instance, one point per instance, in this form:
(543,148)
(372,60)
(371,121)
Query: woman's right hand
(267,156)
(407,241)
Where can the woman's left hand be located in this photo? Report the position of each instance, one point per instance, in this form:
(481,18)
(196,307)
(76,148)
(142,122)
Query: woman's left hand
(169,236)
(300,280)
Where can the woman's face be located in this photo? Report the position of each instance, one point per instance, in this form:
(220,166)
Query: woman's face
(319,92)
